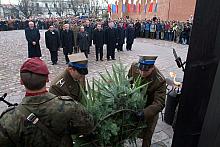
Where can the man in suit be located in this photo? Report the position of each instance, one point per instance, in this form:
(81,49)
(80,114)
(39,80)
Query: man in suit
(83,41)
(52,43)
(89,30)
(67,39)
(130,36)
(33,36)
(98,40)
(111,40)
(121,37)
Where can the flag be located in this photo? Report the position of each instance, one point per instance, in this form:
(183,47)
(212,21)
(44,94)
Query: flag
(116,6)
(129,7)
(151,6)
(113,8)
(123,6)
(134,8)
(155,8)
(109,7)
(139,7)
(145,7)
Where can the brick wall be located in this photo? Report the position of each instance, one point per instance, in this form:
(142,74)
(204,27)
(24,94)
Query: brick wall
(167,10)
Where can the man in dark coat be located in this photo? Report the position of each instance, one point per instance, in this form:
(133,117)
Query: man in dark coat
(110,41)
(83,41)
(33,36)
(52,40)
(137,28)
(89,30)
(130,37)
(121,37)
(67,39)
(98,41)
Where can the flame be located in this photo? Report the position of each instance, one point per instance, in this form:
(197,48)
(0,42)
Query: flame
(173,75)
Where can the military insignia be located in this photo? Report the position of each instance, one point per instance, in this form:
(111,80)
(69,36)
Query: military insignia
(61,82)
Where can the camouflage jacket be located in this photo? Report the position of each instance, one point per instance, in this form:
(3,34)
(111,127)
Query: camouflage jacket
(65,85)
(61,115)
(156,92)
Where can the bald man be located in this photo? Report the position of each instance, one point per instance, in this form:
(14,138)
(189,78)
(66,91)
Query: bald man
(33,37)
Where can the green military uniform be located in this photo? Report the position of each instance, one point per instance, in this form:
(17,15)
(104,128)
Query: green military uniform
(61,115)
(65,85)
(155,94)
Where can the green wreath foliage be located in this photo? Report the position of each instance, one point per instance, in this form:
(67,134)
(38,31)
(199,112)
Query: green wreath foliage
(113,102)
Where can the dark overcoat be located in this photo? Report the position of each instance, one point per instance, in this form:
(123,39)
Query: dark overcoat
(83,41)
(130,35)
(98,38)
(52,40)
(33,35)
(67,39)
(121,35)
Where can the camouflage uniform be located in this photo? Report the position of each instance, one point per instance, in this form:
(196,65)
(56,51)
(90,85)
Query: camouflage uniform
(155,94)
(61,115)
(65,85)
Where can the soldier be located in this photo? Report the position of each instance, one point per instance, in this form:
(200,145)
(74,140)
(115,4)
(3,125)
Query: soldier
(42,119)
(68,83)
(155,94)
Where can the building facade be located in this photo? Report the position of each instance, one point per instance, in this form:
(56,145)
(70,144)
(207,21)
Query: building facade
(180,10)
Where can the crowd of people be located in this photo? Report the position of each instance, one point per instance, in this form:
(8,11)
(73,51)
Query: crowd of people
(51,117)
(75,35)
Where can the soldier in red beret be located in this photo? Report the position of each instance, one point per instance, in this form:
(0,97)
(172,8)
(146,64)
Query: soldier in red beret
(42,118)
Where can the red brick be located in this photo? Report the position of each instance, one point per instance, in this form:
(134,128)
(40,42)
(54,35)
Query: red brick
(167,10)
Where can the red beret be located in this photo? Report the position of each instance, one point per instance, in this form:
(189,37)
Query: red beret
(35,65)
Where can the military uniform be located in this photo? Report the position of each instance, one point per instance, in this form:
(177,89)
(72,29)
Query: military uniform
(155,95)
(61,115)
(65,85)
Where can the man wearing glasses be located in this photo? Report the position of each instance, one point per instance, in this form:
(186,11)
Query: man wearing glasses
(155,94)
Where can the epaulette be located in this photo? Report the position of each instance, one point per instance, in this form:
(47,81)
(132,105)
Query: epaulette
(67,98)
(7,110)
(160,77)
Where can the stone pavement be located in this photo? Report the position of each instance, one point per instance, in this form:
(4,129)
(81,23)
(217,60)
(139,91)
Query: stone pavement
(13,47)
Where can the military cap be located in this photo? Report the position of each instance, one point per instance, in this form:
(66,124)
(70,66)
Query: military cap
(35,65)
(82,27)
(79,62)
(146,62)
